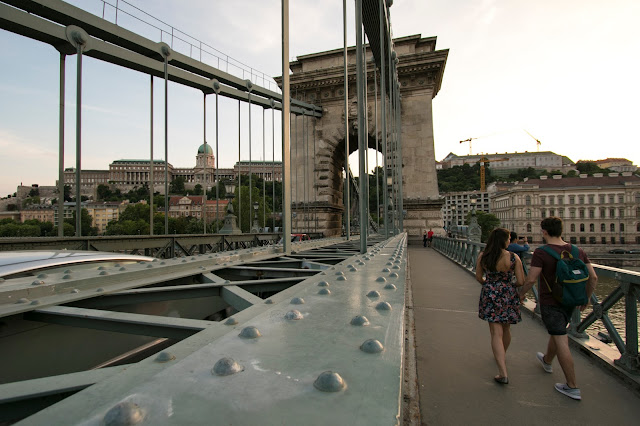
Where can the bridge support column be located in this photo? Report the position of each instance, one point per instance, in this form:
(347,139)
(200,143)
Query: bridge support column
(423,215)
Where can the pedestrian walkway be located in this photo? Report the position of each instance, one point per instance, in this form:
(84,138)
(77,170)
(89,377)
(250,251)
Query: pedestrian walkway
(455,366)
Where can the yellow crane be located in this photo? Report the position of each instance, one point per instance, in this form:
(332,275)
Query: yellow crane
(468,140)
(483,160)
(537,141)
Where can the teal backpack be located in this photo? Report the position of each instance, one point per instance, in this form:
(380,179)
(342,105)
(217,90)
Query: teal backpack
(572,275)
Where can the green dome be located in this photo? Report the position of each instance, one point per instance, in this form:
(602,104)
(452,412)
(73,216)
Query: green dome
(206,147)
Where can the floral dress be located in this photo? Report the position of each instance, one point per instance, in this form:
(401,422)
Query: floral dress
(499,301)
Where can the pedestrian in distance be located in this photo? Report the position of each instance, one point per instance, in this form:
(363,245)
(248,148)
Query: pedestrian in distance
(424,238)
(430,236)
(500,272)
(555,315)
(518,246)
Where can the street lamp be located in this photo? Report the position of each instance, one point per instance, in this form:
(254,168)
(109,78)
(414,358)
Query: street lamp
(255,228)
(454,216)
(475,232)
(230,226)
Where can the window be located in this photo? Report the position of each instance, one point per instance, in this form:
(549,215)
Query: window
(612,199)
(638,227)
(572,199)
(529,227)
(560,199)
(602,198)
(583,240)
(612,227)
(528,213)
(581,199)
(603,228)
(573,227)
(621,213)
(572,213)
(561,213)
(621,198)
(603,212)
(612,213)
(592,227)
(551,200)
(637,197)
(622,227)
(573,240)
(581,213)
(613,240)
(621,240)
(592,199)
(582,227)
(603,240)
(543,213)
(543,200)
(592,213)
(592,240)
(528,200)
(552,212)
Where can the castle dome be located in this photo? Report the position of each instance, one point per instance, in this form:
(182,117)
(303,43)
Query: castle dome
(205,149)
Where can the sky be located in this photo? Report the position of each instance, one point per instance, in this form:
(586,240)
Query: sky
(564,71)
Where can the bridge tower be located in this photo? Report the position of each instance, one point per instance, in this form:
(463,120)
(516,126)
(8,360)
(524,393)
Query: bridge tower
(318,78)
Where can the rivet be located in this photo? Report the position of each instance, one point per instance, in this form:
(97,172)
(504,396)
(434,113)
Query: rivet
(23,300)
(75,291)
(250,332)
(227,281)
(193,258)
(35,302)
(165,357)
(122,269)
(381,279)
(373,293)
(383,306)
(323,284)
(372,346)
(389,264)
(117,265)
(226,367)
(385,270)
(67,271)
(231,321)
(297,301)
(99,290)
(125,413)
(349,266)
(396,261)
(163,263)
(341,278)
(43,275)
(269,302)
(149,266)
(393,275)
(66,277)
(360,320)
(329,381)
(324,291)
(154,260)
(37,282)
(390,287)
(395,267)
(339,273)
(103,273)
(293,315)
(184,260)
(353,269)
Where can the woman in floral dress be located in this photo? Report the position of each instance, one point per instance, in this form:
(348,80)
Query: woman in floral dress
(499,301)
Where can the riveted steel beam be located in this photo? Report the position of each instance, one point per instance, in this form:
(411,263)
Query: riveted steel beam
(119,322)
(239,298)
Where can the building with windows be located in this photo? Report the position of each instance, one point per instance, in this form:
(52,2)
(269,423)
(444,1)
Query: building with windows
(595,209)
(191,206)
(104,212)
(503,164)
(619,165)
(458,205)
(43,213)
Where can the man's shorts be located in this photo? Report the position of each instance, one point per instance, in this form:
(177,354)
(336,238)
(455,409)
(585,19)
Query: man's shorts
(556,318)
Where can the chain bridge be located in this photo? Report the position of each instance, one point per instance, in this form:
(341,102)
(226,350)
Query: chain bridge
(355,326)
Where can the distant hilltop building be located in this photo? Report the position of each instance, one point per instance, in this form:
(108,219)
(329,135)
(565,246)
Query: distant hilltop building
(619,165)
(128,174)
(509,162)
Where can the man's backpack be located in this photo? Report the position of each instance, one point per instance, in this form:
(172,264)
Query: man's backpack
(570,286)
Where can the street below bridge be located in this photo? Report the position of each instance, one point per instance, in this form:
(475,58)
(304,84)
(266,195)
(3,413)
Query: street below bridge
(455,365)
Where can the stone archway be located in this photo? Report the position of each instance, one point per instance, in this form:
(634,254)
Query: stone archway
(319,79)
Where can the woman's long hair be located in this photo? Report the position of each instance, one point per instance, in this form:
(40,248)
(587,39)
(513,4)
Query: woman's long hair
(498,241)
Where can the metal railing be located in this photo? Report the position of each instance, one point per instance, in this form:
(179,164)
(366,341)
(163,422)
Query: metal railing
(465,253)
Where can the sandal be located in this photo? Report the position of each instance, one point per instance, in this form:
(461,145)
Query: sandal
(501,380)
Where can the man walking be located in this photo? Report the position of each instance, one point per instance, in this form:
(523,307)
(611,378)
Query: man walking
(555,316)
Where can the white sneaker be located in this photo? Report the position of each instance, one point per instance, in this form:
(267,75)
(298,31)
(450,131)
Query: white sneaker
(573,393)
(547,367)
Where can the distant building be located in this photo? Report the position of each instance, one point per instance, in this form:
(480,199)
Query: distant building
(619,165)
(595,210)
(69,208)
(191,206)
(510,162)
(104,212)
(458,204)
(38,212)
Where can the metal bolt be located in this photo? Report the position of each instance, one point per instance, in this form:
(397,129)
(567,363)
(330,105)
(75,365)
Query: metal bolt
(165,357)
(250,332)
(125,413)
(37,282)
(341,278)
(373,293)
(231,321)
(360,320)
(23,300)
(395,267)
(103,273)
(297,301)
(393,275)
(353,269)
(66,277)
(383,306)
(323,284)
(43,275)
(269,302)
(390,287)
(372,346)
(324,291)
(339,273)
(122,269)
(329,381)
(381,279)
(99,290)
(75,291)
(294,315)
(35,302)
(226,366)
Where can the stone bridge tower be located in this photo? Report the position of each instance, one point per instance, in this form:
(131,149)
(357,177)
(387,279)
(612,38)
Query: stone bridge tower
(317,145)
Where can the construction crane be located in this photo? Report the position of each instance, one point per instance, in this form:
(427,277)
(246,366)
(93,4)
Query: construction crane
(483,160)
(537,141)
(469,140)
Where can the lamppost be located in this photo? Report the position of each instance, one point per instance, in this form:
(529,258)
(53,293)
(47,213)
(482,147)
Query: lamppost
(230,226)
(454,216)
(475,232)
(256,228)
(390,221)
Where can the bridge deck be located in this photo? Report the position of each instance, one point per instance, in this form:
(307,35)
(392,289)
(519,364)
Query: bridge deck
(455,365)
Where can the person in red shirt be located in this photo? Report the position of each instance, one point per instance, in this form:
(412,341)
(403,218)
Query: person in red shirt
(430,236)
(555,316)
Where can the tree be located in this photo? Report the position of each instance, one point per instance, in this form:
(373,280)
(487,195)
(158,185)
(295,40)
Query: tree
(245,217)
(85,223)
(34,192)
(104,192)
(177,186)
(197,190)
(12,207)
(590,167)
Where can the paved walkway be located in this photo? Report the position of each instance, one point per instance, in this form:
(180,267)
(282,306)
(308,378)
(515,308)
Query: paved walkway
(456,367)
